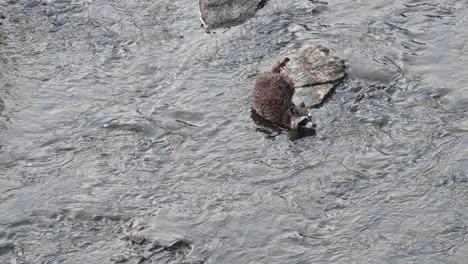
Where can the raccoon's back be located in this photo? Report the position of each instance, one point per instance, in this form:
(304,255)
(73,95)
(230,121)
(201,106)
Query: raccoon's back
(272,96)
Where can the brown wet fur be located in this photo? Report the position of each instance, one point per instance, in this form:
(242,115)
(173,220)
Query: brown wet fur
(272,96)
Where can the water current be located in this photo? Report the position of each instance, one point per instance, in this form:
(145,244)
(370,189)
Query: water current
(126,135)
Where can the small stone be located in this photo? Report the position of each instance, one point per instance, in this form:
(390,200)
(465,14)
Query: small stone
(294,28)
(181,246)
(190,261)
(137,239)
(139,259)
(2,105)
(319,2)
(354,108)
(148,254)
(119,259)
(155,247)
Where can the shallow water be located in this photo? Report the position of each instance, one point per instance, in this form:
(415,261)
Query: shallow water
(126,117)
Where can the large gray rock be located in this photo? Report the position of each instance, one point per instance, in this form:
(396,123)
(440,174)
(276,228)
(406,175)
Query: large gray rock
(315,73)
(312,95)
(225,13)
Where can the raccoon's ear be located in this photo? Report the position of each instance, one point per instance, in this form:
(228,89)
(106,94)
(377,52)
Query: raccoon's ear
(292,110)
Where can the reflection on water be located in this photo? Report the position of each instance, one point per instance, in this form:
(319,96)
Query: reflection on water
(126,133)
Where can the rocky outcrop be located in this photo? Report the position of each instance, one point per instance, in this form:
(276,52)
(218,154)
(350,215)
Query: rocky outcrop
(315,73)
(225,13)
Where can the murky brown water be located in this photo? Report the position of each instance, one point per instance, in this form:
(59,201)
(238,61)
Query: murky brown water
(123,119)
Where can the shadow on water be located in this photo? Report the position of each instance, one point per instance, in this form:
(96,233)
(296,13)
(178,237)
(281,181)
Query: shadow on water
(264,126)
(272,131)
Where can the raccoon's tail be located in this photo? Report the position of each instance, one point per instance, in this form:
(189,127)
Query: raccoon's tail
(280,65)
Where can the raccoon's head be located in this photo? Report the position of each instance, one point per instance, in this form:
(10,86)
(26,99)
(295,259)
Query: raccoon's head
(301,119)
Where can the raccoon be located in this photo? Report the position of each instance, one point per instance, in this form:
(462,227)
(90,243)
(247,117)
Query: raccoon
(272,100)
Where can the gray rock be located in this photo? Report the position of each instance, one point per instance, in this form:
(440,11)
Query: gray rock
(137,239)
(315,73)
(312,95)
(139,259)
(225,13)
(191,261)
(181,246)
(119,259)
(314,65)
(155,246)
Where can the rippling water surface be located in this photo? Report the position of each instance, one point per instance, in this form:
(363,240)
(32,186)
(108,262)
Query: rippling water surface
(122,119)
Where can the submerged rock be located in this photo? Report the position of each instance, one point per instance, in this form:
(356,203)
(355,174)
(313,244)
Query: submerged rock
(119,259)
(2,105)
(191,261)
(137,239)
(315,73)
(180,246)
(225,13)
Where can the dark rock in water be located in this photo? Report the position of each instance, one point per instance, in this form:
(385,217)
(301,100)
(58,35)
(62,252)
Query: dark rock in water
(190,261)
(315,73)
(180,246)
(119,259)
(2,105)
(225,13)
(137,239)
(140,259)
(155,247)
(152,249)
